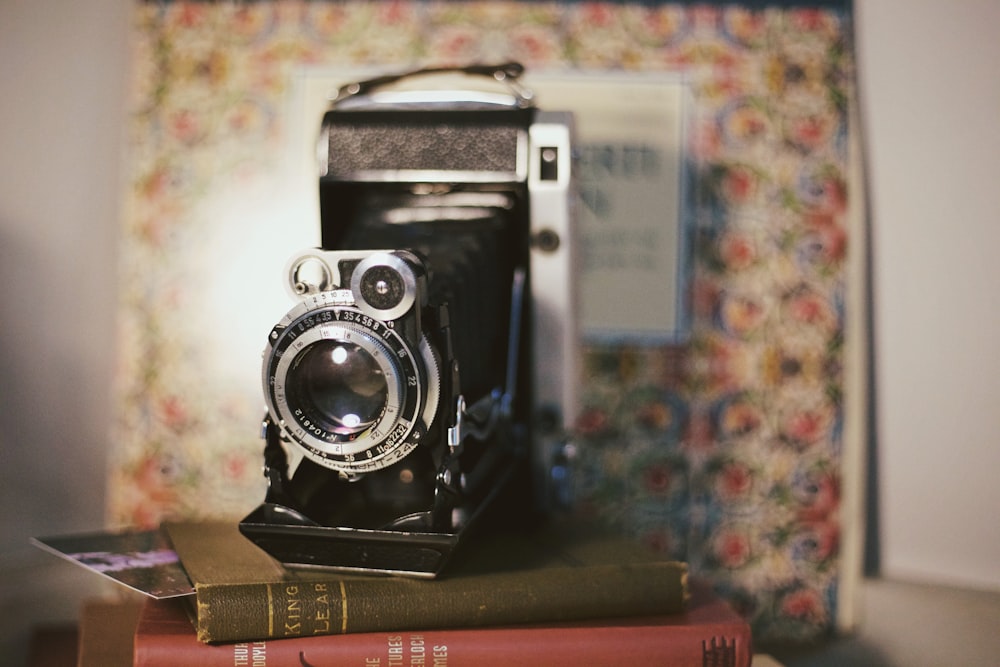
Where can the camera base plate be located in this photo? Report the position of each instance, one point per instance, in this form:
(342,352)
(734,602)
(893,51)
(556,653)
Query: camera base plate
(414,554)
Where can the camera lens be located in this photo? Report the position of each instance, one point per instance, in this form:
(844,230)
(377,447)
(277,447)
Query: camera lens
(339,386)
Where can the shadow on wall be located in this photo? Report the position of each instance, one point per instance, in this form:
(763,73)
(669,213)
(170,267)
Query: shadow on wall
(53,422)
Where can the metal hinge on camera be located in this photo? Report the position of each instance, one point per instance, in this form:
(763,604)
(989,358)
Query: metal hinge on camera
(477,422)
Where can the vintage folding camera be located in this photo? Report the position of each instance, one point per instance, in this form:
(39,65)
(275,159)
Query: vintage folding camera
(411,389)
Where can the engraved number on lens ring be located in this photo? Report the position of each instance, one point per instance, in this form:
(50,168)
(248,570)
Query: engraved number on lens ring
(386,440)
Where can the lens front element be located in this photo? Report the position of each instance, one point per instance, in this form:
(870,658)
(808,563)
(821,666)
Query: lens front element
(339,385)
(347,388)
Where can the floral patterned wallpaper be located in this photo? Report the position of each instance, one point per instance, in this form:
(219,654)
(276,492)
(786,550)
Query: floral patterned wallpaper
(726,452)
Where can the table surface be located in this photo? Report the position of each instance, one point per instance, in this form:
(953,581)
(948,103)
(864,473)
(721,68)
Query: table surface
(912,625)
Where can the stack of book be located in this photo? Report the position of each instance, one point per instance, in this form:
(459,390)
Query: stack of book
(507,601)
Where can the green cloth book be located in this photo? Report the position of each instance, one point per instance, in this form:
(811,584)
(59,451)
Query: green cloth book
(242,594)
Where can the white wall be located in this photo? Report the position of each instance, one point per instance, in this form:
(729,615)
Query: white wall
(930,84)
(62,81)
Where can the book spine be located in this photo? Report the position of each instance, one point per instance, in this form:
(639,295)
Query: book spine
(676,646)
(245,612)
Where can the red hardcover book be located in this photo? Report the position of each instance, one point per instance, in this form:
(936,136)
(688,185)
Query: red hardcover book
(708,634)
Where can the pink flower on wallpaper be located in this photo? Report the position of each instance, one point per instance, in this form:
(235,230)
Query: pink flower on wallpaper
(740,184)
(395,12)
(805,427)
(247,115)
(187,14)
(663,23)
(186,126)
(805,306)
(597,14)
(173,413)
(534,46)
(826,196)
(235,466)
(819,498)
(810,20)
(826,243)
(657,478)
(737,250)
(823,538)
(732,548)
(804,604)
(734,481)
(705,16)
(457,43)
(810,132)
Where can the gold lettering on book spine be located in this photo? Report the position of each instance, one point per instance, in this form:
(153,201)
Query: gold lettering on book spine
(343,608)
(270,611)
(293,611)
(322,613)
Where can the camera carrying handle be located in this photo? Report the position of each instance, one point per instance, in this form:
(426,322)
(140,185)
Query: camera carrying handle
(507,73)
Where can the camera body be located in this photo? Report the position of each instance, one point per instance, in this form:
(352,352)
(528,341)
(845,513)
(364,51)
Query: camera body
(430,353)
